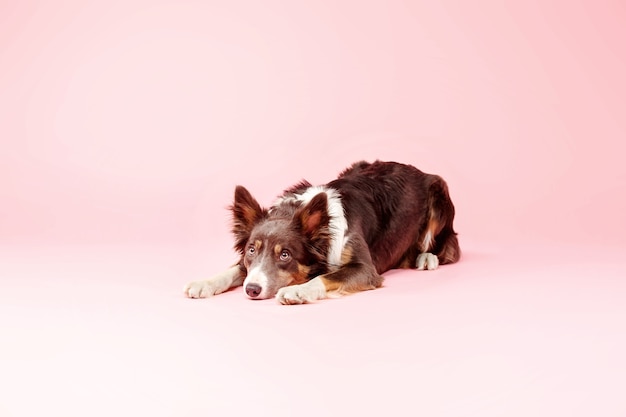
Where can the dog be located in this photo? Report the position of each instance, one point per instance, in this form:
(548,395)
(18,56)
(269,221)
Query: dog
(317,242)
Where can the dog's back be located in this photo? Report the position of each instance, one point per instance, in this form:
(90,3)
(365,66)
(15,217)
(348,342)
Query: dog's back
(400,211)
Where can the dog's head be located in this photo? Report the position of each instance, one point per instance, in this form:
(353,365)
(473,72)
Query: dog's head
(287,244)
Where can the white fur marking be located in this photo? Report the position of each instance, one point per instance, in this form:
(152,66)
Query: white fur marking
(427,261)
(303,293)
(214,285)
(338,224)
(257,276)
(428,241)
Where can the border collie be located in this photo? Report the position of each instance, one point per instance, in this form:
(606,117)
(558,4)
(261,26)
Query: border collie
(320,241)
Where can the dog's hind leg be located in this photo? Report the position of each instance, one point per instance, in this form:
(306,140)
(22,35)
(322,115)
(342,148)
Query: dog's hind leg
(438,243)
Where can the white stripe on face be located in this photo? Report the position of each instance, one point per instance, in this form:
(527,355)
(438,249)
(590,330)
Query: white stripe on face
(257,276)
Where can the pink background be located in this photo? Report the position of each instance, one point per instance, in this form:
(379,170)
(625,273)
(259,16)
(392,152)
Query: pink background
(125,126)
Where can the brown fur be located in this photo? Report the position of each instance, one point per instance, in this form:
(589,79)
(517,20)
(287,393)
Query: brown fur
(394,213)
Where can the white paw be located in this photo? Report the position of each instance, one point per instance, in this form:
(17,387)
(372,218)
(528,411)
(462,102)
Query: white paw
(199,289)
(426,261)
(302,294)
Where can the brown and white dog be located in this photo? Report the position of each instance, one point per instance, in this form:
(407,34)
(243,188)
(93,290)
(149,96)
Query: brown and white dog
(318,241)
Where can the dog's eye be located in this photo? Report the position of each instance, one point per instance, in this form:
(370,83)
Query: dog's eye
(285,255)
(251,250)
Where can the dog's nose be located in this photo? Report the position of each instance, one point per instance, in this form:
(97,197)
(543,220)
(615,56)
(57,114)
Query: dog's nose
(253,290)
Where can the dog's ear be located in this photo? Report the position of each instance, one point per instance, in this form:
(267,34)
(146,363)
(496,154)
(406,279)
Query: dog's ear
(246,214)
(313,218)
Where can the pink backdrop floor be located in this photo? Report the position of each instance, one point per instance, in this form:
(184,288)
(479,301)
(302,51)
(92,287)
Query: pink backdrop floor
(516,330)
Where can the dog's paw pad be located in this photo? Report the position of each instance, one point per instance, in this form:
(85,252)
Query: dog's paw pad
(427,261)
(198,289)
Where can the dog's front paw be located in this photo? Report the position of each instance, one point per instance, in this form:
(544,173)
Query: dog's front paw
(199,289)
(293,295)
(303,293)
(427,261)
